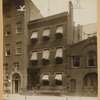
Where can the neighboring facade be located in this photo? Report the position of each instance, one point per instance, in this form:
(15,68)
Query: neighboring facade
(82,68)
(89,30)
(15,42)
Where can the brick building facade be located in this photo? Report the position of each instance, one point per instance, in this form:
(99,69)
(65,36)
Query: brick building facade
(15,42)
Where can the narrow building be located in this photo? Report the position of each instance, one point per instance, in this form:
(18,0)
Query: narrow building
(16,14)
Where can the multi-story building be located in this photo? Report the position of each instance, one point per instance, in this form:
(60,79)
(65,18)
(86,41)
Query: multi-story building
(16,14)
(82,68)
(49,39)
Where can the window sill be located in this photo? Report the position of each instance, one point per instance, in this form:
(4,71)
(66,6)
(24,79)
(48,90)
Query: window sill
(7,55)
(91,66)
(18,33)
(18,54)
(7,35)
(76,67)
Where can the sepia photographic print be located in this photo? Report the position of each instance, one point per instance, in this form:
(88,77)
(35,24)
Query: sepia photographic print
(50,50)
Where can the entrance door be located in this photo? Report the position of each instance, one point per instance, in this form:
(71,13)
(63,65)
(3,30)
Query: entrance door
(16,86)
(16,83)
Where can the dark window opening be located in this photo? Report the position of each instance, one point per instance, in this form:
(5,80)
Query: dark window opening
(92,60)
(33,40)
(45,38)
(58,82)
(58,60)
(76,61)
(58,35)
(8,33)
(34,62)
(45,61)
(8,53)
(45,82)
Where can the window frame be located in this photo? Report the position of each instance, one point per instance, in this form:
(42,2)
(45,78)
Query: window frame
(16,65)
(73,61)
(58,80)
(48,73)
(17,27)
(9,50)
(7,29)
(94,59)
(17,53)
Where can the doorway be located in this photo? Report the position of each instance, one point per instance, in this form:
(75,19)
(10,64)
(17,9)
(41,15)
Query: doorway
(16,84)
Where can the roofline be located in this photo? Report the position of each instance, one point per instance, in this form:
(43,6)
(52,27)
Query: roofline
(48,17)
(83,41)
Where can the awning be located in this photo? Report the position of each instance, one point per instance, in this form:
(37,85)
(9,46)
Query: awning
(46,32)
(58,77)
(59,52)
(34,35)
(34,56)
(46,54)
(59,29)
(45,77)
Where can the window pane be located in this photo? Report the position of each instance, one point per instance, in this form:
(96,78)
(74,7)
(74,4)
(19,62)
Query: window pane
(7,49)
(19,27)
(76,61)
(92,60)
(18,47)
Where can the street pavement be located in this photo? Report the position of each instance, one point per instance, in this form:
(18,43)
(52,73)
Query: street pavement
(23,97)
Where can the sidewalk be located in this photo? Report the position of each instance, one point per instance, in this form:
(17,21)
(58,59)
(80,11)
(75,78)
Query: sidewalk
(22,97)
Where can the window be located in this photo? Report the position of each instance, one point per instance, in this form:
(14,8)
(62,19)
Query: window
(5,71)
(7,30)
(59,32)
(58,79)
(45,57)
(46,34)
(33,59)
(59,55)
(7,49)
(76,61)
(90,80)
(16,65)
(18,47)
(19,27)
(34,36)
(73,84)
(45,79)
(92,60)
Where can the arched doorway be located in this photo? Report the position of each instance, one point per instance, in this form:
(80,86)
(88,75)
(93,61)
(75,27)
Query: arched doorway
(90,84)
(16,83)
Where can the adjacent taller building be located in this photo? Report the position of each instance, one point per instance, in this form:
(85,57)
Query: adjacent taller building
(16,15)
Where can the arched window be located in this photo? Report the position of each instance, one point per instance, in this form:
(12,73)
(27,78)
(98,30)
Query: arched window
(73,84)
(92,58)
(90,80)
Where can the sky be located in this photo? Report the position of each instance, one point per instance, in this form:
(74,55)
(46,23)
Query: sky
(86,15)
